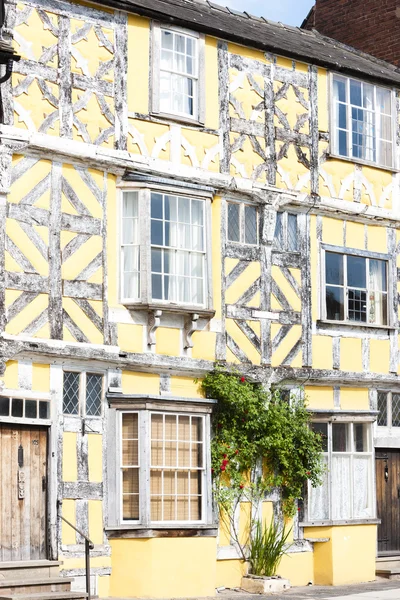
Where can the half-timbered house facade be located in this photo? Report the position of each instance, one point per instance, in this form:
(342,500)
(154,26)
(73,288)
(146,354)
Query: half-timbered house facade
(182,184)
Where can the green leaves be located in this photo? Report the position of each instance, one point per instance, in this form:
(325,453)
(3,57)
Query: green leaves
(267,546)
(252,427)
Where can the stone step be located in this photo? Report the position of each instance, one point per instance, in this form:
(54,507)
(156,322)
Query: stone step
(31,586)
(30,569)
(47,596)
(389,569)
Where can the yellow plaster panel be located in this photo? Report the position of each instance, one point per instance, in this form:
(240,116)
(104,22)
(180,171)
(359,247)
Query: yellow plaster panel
(351,354)
(200,149)
(186,387)
(321,352)
(377,239)
(242,341)
(377,187)
(36,35)
(140,383)
(32,107)
(88,54)
(138,70)
(231,358)
(41,378)
(379,356)
(95,508)
(224,532)
(267,512)
(244,521)
(92,119)
(216,254)
(246,95)
(323,567)
(204,345)
(82,321)
(245,160)
(21,239)
(69,460)
(29,179)
(243,282)
(168,341)
(291,107)
(130,337)
(103,586)
(211,91)
(319,397)
(68,535)
(184,567)
(286,346)
(147,138)
(84,193)
(73,266)
(355,237)
(247,52)
(230,573)
(332,231)
(27,315)
(287,290)
(291,173)
(11,375)
(323,104)
(95,457)
(341,175)
(298,567)
(354,398)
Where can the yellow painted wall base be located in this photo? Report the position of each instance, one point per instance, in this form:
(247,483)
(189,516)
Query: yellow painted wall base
(347,558)
(163,567)
(230,573)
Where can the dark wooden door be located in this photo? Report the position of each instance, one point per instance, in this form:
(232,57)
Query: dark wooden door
(23,506)
(388,500)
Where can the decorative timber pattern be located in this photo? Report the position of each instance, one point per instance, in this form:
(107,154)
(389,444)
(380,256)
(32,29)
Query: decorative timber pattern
(55,252)
(62,88)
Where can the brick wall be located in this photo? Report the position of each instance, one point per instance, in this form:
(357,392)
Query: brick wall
(372,26)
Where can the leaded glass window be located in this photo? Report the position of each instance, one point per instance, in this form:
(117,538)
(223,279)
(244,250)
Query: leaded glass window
(388,409)
(94,385)
(346,490)
(362,121)
(356,289)
(286,233)
(82,394)
(242,223)
(71,393)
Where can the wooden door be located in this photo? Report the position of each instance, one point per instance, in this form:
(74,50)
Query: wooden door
(23,506)
(388,500)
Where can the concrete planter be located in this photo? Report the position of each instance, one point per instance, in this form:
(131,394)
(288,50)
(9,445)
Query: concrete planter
(264,585)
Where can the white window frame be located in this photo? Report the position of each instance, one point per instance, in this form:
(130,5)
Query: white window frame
(359,254)
(82,393)
(285,226)
(350,422)
(242,231)
(144,199)
(144,429)
(198,116)
(334,150)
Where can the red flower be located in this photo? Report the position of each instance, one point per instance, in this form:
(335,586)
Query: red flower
(308,473)
(236,451)
(225,455)
(225,462)
(242,379)
(212,470)
(223,467)
(299,509)
(241,486)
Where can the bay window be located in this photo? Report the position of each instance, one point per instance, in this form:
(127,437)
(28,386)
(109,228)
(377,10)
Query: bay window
(164,237)
(346,492)
(355,288)
(362,121)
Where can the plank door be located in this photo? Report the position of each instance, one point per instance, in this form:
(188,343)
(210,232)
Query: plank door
(388,500)
(23,503)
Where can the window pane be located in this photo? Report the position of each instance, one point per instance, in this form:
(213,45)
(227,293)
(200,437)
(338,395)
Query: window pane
(94,384)
(361,432)
(4,407)
(377,275)
(322,429)
(362,503)
(356,272)
(342,116)
(334,303)
(378,308)
(30,409)
(342,142)
(131,285)
(334,268)
(292,233)
(250,225)
(355,92)
(44,410)
(130,204)
(340,437)
(71,393)
(383,100)
(17,407)
(233,222)
(395,410)
(339,89)
(278,235)
(341,487)
(382,408)
(167,40)
(357,305)
(319,497)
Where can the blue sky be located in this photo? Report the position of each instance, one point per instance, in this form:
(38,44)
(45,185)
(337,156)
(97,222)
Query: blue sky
(291,12)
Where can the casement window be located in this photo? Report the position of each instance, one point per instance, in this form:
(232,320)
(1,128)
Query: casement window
(178,73)
(164,251)
(82,394)
(347,489)
(242,223)
(24,408)
(388,409)
(286,235)
(355,288)
(363,122)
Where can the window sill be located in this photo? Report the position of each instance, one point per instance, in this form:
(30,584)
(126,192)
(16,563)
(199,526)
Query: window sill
(325,323)
(328,523)
(361,162)
(205,313)
(161,531)
(162,117)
